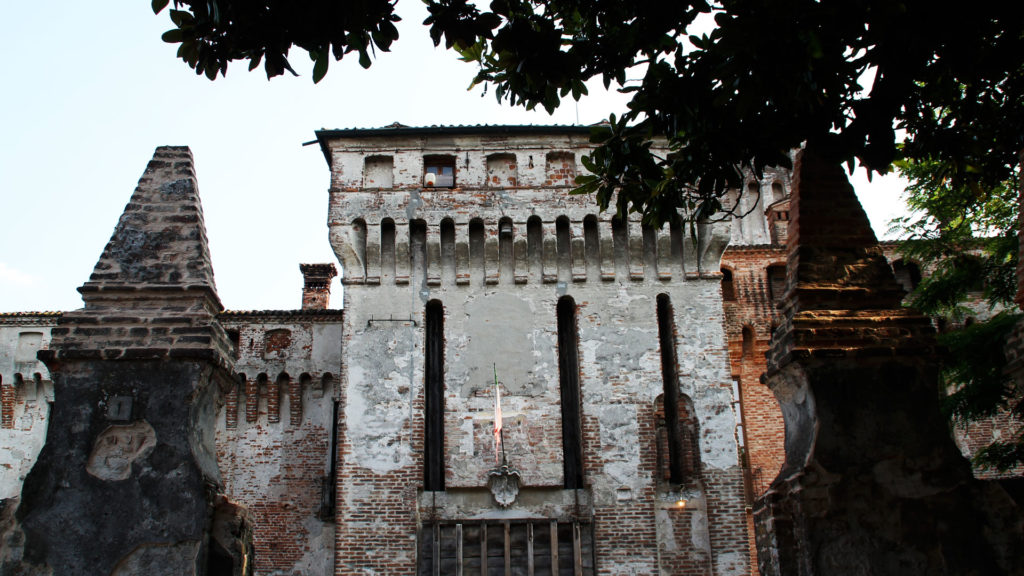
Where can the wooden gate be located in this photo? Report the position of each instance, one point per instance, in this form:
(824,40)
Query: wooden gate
(507,547)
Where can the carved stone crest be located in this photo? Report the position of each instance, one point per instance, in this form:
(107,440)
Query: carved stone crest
(504,484)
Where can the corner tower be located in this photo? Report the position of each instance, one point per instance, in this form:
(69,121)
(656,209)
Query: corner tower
(128,482)
(468,270)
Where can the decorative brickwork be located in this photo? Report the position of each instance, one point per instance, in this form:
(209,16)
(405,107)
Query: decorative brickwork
(316,288)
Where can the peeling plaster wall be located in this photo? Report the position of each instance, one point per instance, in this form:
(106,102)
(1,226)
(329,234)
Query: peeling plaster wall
(26,398)
(502,315)
(278,468)
(751,228)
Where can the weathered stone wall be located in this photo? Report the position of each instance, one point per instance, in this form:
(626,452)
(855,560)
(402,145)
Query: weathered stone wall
(26,393)
(498,257)
(872,482)
(274,434)
(127,480)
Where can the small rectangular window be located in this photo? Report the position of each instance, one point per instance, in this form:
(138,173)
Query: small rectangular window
(439,171)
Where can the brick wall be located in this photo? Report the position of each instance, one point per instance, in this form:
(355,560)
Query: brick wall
(407,245)
(274,434)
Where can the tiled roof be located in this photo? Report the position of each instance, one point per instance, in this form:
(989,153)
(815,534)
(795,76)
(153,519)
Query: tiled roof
(44,318)
(295,315)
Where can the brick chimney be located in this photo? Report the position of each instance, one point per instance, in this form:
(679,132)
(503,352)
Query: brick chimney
(316,288)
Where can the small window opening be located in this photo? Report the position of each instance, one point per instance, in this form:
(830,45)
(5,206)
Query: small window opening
(728,288)
(776,282)
(778,192)
(748,342)
(439,171)
(908,274)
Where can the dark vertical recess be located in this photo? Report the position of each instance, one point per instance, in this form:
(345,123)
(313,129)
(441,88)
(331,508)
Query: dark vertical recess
(564,239)
(506,235)
(448,249)
(534,245)
(592,246)
(476,248)
(387,248)
(569,381)
(670,380)
(728,288)
(620,240)
(418,248)
(434,401)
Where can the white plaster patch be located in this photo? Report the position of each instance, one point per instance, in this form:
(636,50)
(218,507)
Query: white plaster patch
(117,447)
(730,564)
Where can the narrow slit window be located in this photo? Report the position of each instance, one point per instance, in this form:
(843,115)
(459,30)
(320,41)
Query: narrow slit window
(592,246)
(534,245)
(569,382)
(776,282)
(620,239)
(728,288)
(564,239)
(433,469)
(748,342)
(448,248)
(506,236)
(418,246)
(476,246)
(387,247)
(670,381)
(359,246)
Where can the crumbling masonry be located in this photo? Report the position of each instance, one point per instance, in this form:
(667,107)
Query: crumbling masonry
(186,439)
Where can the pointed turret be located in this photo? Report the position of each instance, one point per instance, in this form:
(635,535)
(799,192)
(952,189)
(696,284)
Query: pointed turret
(866,446)
(152,290)
(160,240)
(139,372)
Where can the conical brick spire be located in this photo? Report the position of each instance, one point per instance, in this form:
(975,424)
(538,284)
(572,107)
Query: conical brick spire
(160,239)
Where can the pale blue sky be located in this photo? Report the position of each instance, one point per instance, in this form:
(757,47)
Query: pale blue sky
(91,90)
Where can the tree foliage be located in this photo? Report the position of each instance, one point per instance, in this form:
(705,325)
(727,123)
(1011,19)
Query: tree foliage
(967,233)
(968,238)
(771,76)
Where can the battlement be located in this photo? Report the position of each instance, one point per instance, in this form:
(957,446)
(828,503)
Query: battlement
(524,250)
(490,205)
